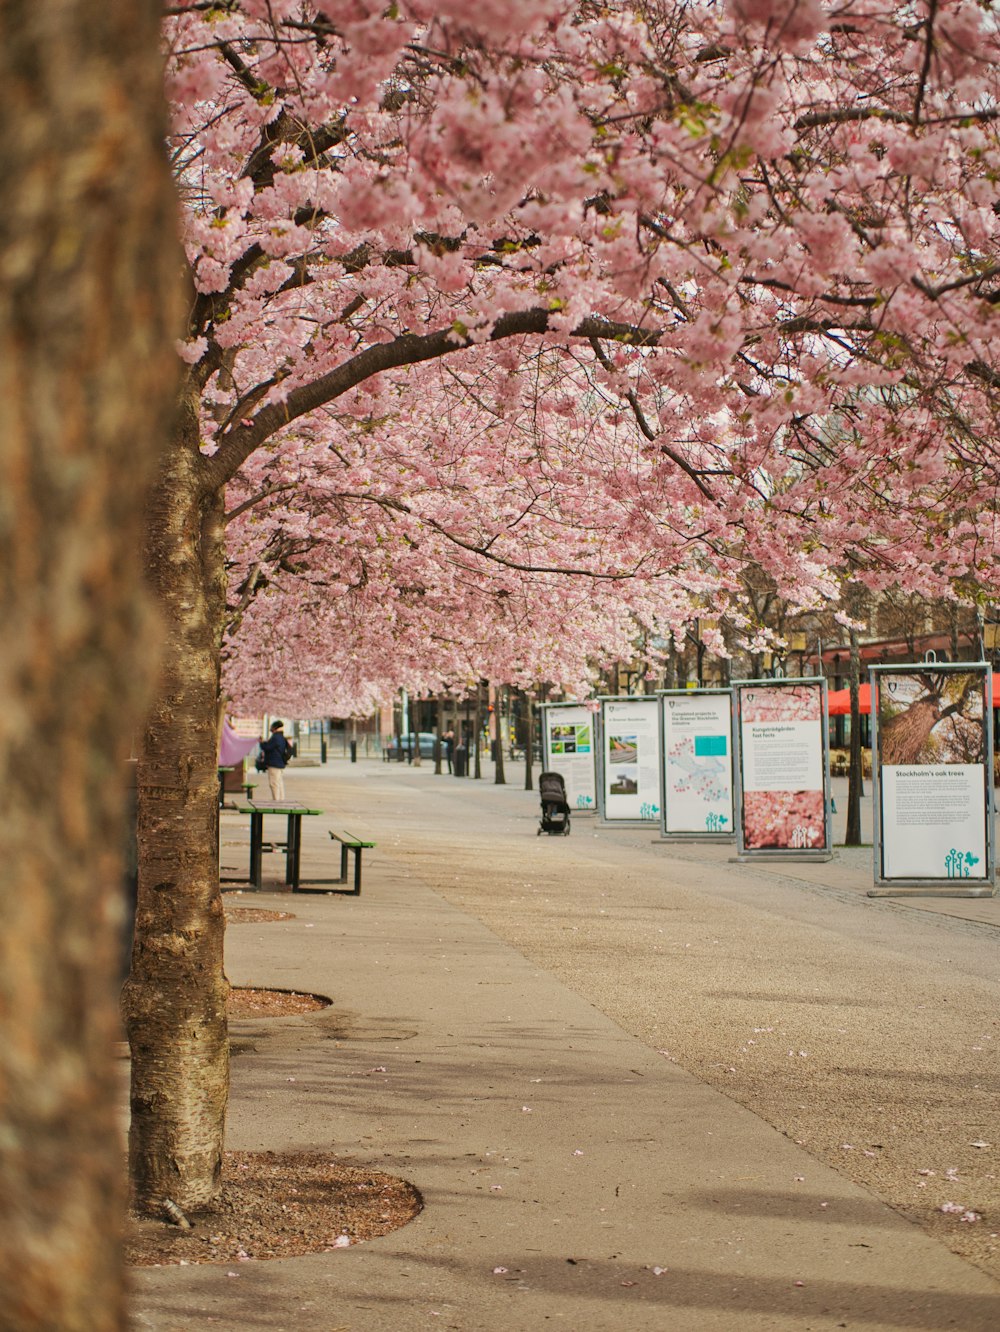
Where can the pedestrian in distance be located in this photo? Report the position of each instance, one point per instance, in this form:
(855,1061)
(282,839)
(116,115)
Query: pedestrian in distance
(276,751)
(449,747)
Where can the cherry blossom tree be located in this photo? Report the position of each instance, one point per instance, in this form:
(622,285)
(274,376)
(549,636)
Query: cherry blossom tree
(756,242)
(473,534)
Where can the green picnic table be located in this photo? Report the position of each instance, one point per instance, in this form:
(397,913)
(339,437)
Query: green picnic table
(294,813)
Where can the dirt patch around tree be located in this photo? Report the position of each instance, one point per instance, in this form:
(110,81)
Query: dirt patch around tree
(247,1002)
(277,1205)
(237,915)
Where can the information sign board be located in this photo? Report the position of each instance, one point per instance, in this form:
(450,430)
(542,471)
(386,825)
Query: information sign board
(569,747)
(630,759)
(697,747)
(932,776)
(782,768)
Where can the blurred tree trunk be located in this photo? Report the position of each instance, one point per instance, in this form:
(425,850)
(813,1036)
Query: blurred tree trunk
(89,309)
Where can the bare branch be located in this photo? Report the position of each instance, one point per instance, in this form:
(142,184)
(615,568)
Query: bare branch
(258,499)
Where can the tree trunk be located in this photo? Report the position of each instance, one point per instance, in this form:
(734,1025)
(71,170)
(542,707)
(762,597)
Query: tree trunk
(529,744)
(416,710)
(498,774)
(670,671)
(852,835)
(89,309)
(479,728)
(175,999)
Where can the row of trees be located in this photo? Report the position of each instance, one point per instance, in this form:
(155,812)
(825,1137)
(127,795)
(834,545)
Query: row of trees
(622,299)
(508,331)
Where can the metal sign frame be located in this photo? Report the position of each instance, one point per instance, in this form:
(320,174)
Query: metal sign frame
(739,688)
(548,762)
(945,884)
(727,834)
(632,700)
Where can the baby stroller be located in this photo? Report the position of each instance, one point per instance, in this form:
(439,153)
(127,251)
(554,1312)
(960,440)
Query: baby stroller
(555,810)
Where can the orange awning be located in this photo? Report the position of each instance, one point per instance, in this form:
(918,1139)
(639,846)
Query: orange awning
(838,701)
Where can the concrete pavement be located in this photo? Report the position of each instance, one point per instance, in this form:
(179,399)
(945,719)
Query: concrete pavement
(573,1176)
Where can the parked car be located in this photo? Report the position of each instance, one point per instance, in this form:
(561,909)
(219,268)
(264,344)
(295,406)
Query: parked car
(426,743)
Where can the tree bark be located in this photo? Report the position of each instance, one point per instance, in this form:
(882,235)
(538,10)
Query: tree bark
(416,712)
(904,737)
(175,999)
(852,835)
(89,309)
(529,746)
(498,774)
(478,738)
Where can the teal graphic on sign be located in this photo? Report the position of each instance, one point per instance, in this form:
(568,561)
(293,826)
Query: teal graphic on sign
(711,746)
(958,864)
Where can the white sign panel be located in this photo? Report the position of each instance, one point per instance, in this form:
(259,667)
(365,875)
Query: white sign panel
(932,822)
(782,756)
(630,752)
(933,749)
(782,753)
(697,763)
(570,739)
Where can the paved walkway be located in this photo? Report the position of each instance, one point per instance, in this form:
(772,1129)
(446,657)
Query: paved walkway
(573,1177)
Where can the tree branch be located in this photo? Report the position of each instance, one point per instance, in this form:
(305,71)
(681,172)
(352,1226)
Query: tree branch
(240,441)
(647,429)
(258,499)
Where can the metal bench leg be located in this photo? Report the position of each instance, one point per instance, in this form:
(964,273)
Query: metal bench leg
(256,847)
(293,851)
(343,863)
(357,870)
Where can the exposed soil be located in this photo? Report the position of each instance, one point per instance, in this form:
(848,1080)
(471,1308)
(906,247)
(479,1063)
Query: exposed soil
(246,1002)
(243,915)
(278,1205)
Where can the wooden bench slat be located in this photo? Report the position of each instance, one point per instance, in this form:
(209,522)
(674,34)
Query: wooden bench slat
(349,839)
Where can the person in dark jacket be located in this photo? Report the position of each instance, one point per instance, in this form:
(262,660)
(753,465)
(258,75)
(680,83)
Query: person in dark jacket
(277,751)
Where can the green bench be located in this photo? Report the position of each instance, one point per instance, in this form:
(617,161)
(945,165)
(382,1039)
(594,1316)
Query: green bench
(348,842)
(246,786)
